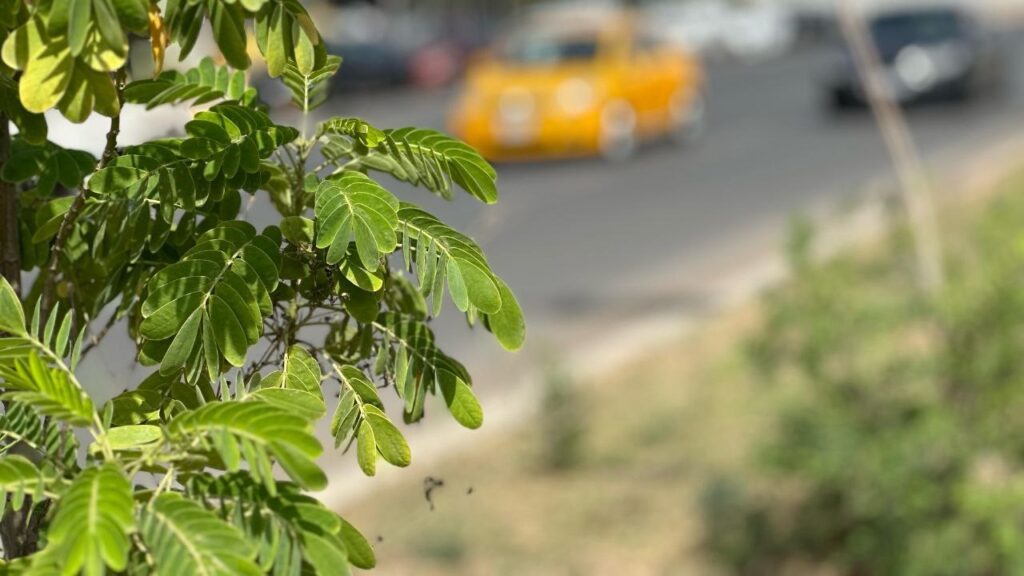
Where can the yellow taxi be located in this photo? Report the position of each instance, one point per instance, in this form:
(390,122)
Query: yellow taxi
(578,83)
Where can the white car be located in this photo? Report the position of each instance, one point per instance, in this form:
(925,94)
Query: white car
(759,31)
(750,31)
(697,25)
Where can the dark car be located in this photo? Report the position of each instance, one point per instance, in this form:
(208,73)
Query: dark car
(381,48)
(370,65)
(928,53)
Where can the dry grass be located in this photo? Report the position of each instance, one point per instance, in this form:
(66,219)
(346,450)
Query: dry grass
(654,433)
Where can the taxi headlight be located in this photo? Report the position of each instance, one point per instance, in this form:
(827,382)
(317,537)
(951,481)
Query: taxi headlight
(576,96)
(516,105)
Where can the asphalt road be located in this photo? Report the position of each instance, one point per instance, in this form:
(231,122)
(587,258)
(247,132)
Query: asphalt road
(585,239)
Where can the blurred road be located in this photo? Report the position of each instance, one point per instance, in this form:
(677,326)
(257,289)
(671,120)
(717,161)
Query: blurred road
(587,245)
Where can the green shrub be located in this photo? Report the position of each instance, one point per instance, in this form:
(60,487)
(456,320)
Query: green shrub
(898,449)
(562,419)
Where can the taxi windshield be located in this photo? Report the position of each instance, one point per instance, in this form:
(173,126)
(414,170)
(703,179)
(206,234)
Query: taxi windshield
(549,48)
(917,27)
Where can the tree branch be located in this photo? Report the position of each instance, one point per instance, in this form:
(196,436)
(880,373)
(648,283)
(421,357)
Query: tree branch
(10,267)
(78,204)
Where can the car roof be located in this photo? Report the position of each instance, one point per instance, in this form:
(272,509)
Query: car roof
(910,8)
(573,19)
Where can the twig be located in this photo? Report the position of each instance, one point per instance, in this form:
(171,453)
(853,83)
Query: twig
(78,204)
(95,340)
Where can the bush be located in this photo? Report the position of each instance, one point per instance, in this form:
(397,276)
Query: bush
(901,450)
(562,420)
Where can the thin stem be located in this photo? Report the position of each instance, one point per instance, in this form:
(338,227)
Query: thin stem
(99,433)
(78,204)
(95,340)
(165,482)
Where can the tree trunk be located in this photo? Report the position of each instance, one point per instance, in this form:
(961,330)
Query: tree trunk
(10,250)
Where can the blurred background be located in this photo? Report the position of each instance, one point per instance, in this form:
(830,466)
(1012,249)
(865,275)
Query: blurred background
(730,368)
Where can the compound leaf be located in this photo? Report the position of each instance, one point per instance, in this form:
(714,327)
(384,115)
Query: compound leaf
(93,521)
(185,538)
(353,207)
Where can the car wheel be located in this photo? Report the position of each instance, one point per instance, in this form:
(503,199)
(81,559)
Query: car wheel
(618,131)
(690,119)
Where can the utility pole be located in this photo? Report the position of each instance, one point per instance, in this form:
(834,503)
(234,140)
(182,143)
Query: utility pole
(910,171)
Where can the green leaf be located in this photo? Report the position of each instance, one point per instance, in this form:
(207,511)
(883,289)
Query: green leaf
(413,359)
(266,428)
(355,128)
(19,424)
(507,324)
(299,373)
(278,41)
(366,450)
(421,157)
(88,90)
(47,71)
(228,24)
(390,442)
(461,402)
(360,553)
(50,391)
(134,14)
(133,436)
(441,253)
(183,345)
(78,20)
(453,159)
(324,555)
(213,131)
(20,477)
(57,21)
(360,406)
(304,52)
(109,26)
(288,523)
(310,89)
(49,218)
(60,345)
(12,317)
(93,521)
(295,402)
(224,281)
(185,538)
(352,207)
(298,230)
(31,127)
(200,85)
(354,379)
